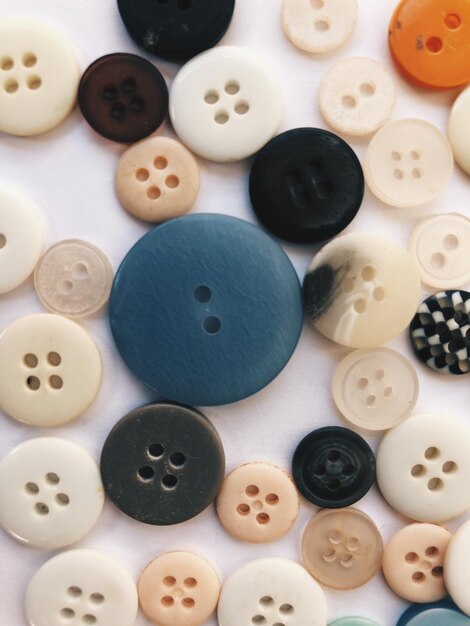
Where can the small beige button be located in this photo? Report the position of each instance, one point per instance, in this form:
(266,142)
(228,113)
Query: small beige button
(258,502)
(178,589)
(342,549)
(413,562)
(157,179)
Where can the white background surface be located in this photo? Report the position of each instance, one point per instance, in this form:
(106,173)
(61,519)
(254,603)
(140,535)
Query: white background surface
(69,173)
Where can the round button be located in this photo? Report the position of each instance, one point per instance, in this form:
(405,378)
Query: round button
(257,502)
(357,96)
(51,370)
(456,568)
(81,586)
(268,591)
(429,483)
(361,290)
(39,76)
(342,549)
(443,613)
(353,621)
(51,493)
(178,589)
(162,464)
(157,179)
(123,97)
(333,467)
(375,389)
(226,104)
(298,177)
(73,278)
(458,130)
(20,239)
(220,288)
(408,163)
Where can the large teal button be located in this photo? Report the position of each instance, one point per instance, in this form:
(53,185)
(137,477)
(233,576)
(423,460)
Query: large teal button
(437,614)
(353,621)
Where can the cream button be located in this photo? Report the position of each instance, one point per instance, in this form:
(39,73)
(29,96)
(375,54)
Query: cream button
(271,591)
(39,76)
(457,568)
(157,179)
(51,493)
(51,370)
(257,502)
(81,587)
(178,589)
(423,467)
(458,130)
(408,163)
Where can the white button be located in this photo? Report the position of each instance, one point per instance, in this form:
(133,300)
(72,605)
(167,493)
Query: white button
(39,76)
(459,130)
(271,591)
(51,370)
(226,104)
(457,568)
(375,389)
(20,239)
(81,587)
(51,493)
(408,163)
(423,467)
(357,96)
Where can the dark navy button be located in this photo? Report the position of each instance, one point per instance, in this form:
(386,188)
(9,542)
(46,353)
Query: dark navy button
(333,467)
(443,613)
(162,464)
(306,185)
(206,309)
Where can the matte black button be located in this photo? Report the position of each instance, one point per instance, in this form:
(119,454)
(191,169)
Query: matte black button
(163,464)
(333,467)
(306,185)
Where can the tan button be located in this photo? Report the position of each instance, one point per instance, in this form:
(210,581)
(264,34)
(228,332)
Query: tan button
(413,562)
(258,502)
(342,549)
(178,589)
(157,179)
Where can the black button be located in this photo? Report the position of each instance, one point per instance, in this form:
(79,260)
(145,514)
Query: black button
(306,185)
(163,464)
(176,29)
(333,467)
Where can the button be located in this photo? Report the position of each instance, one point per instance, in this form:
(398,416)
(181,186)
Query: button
(20,239)
(51,493)
(226,104)
(333,467)
(123,97)
(429,483)
(443,613)
(39,76)
(375,389)
(353,621)
(342,549)
(73,278)
(298,177)
(81,586)
(458,130)
(271,590)
(319,26)
(176,29)
(178,589)
(258,502)
(456,568)
(162,464)
(157,179)
(219,287)
(361,290)
(408,163)
(357,96)
(413,562)
(440,332)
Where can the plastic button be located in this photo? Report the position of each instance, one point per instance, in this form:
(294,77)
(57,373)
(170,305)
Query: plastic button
(353,621)
(443,613)
(459,130)
(457,569)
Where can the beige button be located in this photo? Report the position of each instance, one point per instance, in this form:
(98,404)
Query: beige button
(258,502)
(458,129)
(457,569)
(413,562)
(342,549)
(178,589)
(157,179)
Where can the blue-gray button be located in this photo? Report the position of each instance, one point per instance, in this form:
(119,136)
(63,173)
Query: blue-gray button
(353,621)
(443,613)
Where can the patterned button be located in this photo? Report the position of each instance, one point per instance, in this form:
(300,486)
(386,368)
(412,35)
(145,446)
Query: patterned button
(456,568)
(459,129)
(443,613)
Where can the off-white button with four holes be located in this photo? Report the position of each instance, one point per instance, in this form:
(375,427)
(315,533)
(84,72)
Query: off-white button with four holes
(459,129)
(457,568)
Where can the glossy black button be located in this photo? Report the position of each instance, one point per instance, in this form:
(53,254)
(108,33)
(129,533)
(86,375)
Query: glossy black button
(306,185)
(123,97)
(162,464)
(176,29)
(333,467)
